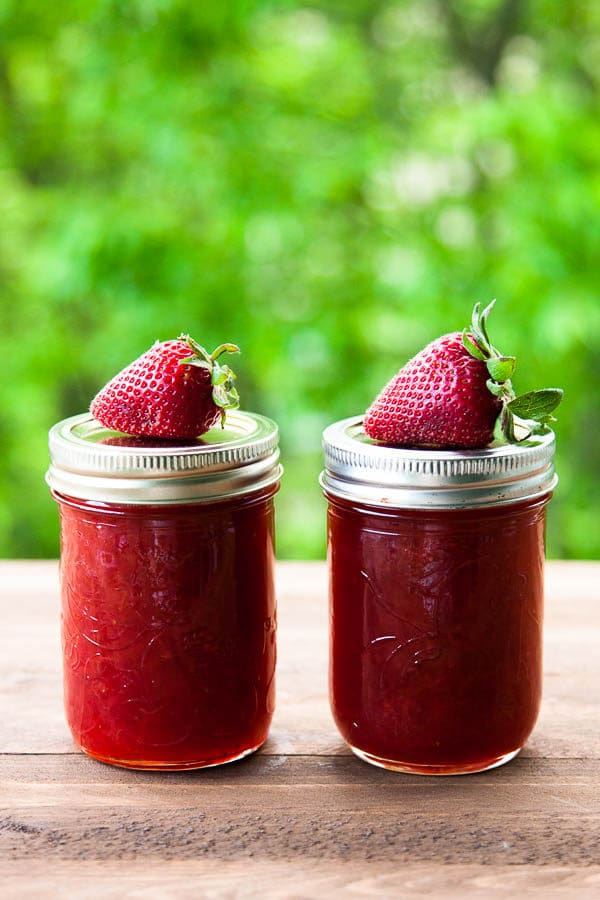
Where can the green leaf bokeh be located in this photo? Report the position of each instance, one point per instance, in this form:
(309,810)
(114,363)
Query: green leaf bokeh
(329,185)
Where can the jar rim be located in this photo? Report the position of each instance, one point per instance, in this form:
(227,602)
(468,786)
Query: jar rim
(358,468)
(89,461)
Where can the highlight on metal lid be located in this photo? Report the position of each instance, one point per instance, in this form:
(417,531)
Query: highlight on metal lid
(360,469)
(92,462)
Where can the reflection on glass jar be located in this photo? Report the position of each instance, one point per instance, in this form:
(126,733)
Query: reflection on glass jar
(436,590)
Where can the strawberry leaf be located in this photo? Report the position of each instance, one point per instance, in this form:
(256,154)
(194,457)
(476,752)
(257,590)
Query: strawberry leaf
(225,348)
(478,334)
(500,426)
(482,323)
(199,351)
(225,397)
(535,426)
(194,361)
(472,347)
(501,368)
(536,404)
(494,388)
(219,374)
(509,426)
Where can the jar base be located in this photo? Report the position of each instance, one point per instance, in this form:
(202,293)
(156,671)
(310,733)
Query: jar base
(162,766)
(452,769)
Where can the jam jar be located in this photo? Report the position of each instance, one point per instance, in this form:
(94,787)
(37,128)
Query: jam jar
(436,598)
(168,605)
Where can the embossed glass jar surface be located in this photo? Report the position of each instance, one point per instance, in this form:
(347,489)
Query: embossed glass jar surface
(436,592)
(168,606)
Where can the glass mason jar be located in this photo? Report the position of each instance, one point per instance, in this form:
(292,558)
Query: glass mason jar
(168,605)
(436,592)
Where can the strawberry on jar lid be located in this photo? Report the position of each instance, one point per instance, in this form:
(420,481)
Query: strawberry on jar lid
(166,429)
(448,431)
(457,393)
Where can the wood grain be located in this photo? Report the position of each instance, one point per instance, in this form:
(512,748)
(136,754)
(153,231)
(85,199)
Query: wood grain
(285,879)
(303,818)
(284,807)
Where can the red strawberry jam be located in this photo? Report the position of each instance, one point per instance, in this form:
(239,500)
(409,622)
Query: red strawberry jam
(436,591)
(168,608)
(436,632)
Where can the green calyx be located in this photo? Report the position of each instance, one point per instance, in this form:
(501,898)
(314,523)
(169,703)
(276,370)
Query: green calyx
(521,416)
(224,393)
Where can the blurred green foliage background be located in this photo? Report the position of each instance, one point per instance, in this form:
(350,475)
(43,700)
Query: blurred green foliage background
(329,184)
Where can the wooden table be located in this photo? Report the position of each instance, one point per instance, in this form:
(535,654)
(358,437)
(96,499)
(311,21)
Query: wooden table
(303,818)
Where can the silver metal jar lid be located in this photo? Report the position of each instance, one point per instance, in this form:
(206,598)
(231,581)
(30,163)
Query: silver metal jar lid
(91,462)
(359,469)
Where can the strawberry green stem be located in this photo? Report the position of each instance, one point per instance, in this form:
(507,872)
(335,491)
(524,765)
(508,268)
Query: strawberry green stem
(224,393)
(519,416)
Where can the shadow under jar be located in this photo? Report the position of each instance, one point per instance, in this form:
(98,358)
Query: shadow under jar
(436,599)
(168,604)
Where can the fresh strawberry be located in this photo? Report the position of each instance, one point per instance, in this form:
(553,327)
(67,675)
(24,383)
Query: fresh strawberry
(457,393)
(174,390)
(439,399)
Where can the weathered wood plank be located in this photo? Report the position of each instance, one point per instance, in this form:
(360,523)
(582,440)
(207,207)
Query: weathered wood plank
(80,770)
(263,879)
(532,812)
(294,824)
